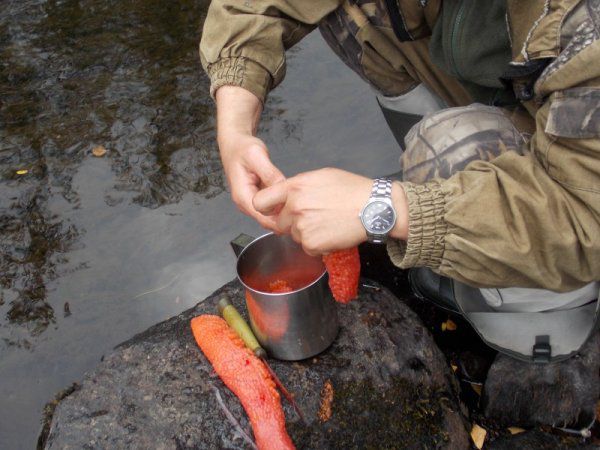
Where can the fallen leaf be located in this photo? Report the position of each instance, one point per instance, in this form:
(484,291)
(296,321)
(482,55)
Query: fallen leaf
(448,325)
(477,388)
(515,430)
(454,367)
(99,151)
(22,171)
(478,435)
(325,410)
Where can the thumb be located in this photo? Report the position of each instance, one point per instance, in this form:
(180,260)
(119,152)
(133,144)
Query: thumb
(270,199)
(266,170)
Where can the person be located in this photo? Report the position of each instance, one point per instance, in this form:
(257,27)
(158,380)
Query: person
(497,211)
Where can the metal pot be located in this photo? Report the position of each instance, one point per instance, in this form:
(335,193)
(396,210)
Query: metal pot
(291,325)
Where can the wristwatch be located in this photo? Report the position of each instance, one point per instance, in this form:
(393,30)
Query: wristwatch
(378,216)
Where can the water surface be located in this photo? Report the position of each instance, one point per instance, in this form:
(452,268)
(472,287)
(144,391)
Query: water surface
(94,250)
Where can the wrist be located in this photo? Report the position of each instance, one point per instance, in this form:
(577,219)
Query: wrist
(228,138)
(238,111)
(400,230)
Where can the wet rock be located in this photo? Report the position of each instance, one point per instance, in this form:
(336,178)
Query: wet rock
(558,394)
(390,385)
(537,440)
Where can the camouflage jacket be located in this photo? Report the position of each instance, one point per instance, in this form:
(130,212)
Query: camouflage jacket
(529,220)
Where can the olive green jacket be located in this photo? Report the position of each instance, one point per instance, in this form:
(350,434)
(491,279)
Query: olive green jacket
(528,220)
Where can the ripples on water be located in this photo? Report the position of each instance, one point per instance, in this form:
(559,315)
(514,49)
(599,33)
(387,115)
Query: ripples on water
(75,74)
(141,234)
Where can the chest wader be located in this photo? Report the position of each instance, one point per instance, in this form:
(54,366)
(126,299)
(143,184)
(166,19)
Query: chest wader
(532,325)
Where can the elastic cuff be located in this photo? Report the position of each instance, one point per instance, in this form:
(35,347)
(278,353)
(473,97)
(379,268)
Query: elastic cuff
(241,72)
(426,228)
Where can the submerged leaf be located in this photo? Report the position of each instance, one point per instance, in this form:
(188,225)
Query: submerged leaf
(99,151)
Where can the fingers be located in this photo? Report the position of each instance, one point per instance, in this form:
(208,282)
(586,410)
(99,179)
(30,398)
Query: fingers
(270,200)
(301,238)
(268,223)
(242,197)
(248,169)
(265,169)
(295,233)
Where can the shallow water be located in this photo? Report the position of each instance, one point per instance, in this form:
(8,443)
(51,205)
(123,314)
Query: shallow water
(95,250)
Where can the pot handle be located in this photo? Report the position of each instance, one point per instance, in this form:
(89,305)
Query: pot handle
(240,243)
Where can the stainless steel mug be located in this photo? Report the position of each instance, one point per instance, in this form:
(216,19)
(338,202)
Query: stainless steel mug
(289,325)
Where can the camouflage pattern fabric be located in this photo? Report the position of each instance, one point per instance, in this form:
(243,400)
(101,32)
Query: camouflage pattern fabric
(509,238)
(585,35)
(446,141)
(339,31)
(347,29)
(575,114)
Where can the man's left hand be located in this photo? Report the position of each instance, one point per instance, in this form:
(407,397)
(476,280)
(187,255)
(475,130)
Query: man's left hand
(320,209)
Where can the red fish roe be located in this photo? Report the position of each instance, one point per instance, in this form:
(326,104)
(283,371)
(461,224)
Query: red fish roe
(279,287)
(344,273)
(247,377)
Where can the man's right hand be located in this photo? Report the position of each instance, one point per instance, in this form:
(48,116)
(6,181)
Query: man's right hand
(248,169)
(245,157)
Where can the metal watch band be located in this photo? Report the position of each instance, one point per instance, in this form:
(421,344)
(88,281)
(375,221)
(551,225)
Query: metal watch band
(382,187)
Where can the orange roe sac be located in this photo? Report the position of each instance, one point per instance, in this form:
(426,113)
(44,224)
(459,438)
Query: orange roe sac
(279,287)
(344,273)
(247,377)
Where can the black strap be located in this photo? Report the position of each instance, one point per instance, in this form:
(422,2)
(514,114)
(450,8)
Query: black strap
(397,20)
(522,78)
(542,351)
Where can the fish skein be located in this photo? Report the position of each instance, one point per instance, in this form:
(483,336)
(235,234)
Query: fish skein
(343,267)
(247,377)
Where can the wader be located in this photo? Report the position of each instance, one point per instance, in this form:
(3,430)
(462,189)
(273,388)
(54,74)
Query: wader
(528,324)
(442,126)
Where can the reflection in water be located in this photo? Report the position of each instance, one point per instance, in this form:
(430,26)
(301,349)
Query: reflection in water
(128,76)
(136,236)
(32,243)
(74,74)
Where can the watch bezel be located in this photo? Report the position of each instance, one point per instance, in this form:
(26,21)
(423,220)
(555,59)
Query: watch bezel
(387,202)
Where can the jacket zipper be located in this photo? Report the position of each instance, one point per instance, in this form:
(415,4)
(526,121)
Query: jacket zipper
(453,48)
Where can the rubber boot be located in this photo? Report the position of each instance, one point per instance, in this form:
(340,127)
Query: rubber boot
(434,288)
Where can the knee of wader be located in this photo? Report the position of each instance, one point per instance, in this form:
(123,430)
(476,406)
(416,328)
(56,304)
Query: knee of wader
(445,142)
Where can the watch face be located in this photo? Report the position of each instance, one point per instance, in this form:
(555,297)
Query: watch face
(378,217)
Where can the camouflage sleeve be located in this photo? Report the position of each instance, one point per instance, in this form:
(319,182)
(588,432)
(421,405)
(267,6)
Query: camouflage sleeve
(529,220)
(244,42)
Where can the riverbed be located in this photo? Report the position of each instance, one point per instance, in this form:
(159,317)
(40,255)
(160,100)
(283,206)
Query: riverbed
(97,249)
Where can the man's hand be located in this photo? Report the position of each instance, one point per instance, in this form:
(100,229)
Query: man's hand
(248,169)
(320,209)
(245,157)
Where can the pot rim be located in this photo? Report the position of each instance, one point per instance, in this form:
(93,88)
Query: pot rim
(272,294)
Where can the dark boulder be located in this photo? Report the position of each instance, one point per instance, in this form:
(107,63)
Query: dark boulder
(538,440)
(391,385)
(559,394)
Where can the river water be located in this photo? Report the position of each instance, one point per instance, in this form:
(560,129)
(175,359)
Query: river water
(95,250)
